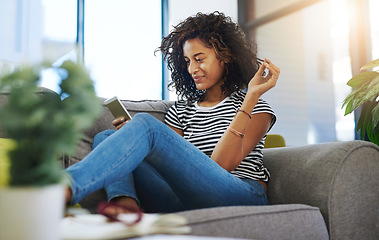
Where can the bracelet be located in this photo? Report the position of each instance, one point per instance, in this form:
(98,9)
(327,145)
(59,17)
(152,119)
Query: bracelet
(235,132)
(243,111)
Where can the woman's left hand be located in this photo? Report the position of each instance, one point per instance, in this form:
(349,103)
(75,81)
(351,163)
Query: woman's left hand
(260,84)
(119,122)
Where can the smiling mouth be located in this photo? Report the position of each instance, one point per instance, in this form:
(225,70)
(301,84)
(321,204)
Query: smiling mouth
(197,78)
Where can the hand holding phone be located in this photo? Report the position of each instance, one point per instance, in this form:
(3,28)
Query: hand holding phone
(119,122)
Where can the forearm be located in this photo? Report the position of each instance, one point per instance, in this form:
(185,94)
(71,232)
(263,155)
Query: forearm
(231,149)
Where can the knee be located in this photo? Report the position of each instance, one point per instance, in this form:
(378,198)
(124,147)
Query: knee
(147,121)
(146,117)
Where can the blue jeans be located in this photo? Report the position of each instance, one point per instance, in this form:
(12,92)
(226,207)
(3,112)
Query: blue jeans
(150,162)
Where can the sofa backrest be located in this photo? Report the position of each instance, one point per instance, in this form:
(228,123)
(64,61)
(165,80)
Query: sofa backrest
(4,96)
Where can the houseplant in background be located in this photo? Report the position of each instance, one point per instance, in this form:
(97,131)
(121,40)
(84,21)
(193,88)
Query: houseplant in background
(366,94)
(42,128)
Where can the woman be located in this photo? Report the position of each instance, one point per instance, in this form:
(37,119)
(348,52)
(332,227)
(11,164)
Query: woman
(208,153)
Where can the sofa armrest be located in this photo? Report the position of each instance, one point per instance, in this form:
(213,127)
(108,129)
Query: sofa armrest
(340,178)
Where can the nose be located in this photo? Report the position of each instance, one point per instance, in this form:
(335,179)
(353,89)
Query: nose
(193,67)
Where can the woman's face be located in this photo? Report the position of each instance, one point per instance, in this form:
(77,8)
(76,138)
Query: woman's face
(206,70)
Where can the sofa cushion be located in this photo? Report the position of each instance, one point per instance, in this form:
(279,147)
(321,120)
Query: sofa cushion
(5,146)
(292,221)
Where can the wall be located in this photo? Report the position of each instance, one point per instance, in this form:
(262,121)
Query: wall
(304,96)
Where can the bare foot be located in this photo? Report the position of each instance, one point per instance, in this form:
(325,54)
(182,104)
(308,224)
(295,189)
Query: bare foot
(122,205)
(68,195)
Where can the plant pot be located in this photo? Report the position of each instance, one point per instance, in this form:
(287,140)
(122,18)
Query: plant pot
(31,213)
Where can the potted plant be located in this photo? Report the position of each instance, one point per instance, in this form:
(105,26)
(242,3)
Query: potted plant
(365,94)
(42,128)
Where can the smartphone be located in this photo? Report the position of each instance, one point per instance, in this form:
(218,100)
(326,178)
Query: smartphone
(117,108)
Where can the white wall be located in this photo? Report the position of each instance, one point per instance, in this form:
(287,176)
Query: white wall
(304,96)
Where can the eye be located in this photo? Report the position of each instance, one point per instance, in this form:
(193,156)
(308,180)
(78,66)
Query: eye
(199,60)
(187,61)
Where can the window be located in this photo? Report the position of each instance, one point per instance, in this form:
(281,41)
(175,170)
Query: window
(342,71)
(119,43)
(374,20)
(59,21)
(32,31)
(120,53)
(120,39)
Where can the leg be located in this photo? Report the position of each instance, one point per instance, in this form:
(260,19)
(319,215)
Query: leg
(122,187)
(150,186)
(153,192)
(197,180)
(100,137)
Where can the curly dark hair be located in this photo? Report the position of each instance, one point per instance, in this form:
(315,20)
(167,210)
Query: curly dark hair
(216,31)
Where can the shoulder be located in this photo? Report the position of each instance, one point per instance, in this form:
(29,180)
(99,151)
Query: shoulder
(263,106)
(183,106)
(178,114)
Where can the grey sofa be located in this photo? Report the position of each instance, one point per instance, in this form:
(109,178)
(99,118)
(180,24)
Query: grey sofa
(316,191)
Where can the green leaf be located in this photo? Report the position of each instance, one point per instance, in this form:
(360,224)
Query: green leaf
(374,83)
(359,99)
(367,91)
(349,101)
(375,116)
(371,93)
(376,135)
(365,110)
(364,121)
(361,78)
(348,109)
(370,65)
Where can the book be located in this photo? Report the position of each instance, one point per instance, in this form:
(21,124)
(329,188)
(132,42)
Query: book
(96,226)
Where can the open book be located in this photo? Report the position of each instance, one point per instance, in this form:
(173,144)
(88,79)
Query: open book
(96,226)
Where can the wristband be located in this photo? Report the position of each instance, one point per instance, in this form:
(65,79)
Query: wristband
(235,132)
(243,111)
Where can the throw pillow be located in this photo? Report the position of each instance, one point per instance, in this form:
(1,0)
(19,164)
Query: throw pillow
(5,146)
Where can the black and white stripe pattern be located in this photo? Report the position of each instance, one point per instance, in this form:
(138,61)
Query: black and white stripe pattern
(204,126)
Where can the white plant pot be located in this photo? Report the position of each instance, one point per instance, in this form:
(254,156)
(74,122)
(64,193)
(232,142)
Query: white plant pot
(31,213)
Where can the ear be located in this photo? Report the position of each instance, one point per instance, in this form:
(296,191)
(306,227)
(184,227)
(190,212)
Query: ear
(225,62)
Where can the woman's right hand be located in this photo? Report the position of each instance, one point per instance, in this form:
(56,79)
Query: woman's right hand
(261,84)
(119,122)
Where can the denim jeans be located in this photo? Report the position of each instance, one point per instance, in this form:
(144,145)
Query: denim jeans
(150,162)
